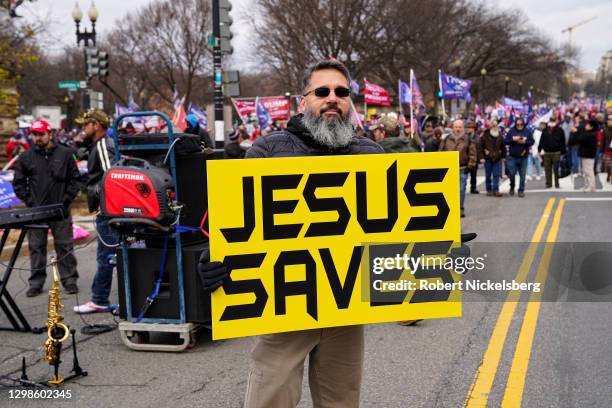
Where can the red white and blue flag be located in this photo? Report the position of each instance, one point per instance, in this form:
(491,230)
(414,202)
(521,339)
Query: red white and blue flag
(178,117)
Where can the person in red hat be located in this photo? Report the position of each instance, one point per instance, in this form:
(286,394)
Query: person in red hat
(16,145)
(44,175)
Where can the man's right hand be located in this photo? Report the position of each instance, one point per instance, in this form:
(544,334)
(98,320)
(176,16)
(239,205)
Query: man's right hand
(212,274)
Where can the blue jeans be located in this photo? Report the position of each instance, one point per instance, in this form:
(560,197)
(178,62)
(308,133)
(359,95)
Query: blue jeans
(101,287)
(492,175)
(462,183)
(573,151)
(517,164)
(534,163)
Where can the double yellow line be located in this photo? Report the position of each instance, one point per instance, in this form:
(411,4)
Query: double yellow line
(478,394)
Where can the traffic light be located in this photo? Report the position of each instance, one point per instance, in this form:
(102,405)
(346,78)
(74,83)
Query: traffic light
(103,64)
(231,83)
(92,59)
(97,63)
(440,94)
(225,20)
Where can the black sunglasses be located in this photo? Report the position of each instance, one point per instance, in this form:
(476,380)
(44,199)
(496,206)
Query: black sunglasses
(324,91)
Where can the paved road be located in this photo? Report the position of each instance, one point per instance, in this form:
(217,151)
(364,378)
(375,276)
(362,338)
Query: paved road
(534,354)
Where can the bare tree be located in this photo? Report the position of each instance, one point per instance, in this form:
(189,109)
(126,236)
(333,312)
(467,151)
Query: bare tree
(160,47)
(383,40)
(294,33)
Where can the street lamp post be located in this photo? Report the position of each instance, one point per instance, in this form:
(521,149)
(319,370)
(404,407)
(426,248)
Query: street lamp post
(520,96)
(69,102)
(507,80)
(605,74)
(483,74)
(85,36)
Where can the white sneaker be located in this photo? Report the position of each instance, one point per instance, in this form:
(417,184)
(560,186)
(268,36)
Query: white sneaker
(90,307)
(538,178)
(529,178)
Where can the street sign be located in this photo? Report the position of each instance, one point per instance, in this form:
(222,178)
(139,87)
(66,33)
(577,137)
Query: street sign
(69,84)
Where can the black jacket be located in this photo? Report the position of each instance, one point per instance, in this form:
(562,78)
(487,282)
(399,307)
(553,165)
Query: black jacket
(101,157)
(44,177)
(552,140)
(297,141)
(587,142)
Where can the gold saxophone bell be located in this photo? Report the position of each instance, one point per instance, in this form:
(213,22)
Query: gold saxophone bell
(52,332)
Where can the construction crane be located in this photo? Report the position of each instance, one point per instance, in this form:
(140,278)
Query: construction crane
(571,28)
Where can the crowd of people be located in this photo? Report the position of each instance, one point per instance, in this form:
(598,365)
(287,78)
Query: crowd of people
(576,142)
(573,141)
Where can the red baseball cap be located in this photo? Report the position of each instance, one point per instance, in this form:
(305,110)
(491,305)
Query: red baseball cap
(41,126)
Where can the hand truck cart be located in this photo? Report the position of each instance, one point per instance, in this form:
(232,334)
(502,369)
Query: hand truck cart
(135,329)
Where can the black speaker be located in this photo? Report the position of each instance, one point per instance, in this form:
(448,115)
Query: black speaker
(192,192)
(144,265)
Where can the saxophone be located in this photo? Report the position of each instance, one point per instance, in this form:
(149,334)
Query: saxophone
(57,331)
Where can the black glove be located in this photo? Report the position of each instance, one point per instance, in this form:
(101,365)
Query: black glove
(212,274)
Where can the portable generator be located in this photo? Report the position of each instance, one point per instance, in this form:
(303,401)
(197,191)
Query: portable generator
(135,189)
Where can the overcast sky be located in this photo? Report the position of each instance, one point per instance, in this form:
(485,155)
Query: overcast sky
(594,38)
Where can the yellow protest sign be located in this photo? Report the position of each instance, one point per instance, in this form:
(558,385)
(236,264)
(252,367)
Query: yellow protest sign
(310,240)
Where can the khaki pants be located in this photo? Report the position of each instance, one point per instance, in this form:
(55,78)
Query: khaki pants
(588,168)
(334,368)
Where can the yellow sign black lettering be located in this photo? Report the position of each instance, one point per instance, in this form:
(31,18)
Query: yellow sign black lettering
(297,231)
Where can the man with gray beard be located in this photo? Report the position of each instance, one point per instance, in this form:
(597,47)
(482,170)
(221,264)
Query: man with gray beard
(335,353)
(324,127)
